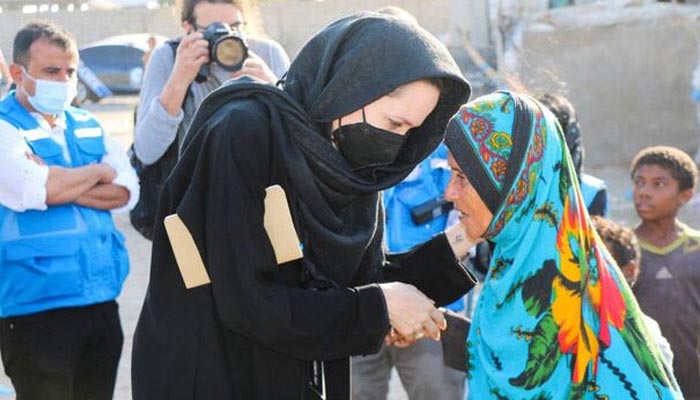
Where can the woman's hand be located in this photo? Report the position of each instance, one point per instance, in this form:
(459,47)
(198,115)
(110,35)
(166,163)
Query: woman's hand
(411,313)
(394,339)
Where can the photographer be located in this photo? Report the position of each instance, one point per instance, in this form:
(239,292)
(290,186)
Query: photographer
(170,95)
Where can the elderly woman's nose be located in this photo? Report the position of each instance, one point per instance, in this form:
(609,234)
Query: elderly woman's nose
(451,191)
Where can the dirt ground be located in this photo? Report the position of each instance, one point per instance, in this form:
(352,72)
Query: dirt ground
(116,115)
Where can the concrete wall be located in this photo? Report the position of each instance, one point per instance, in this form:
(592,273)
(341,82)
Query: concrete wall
(289,22)
(293,22)
(627,71)
(92,25)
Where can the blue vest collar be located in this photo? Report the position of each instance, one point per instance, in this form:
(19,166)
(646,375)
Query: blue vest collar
(15,113)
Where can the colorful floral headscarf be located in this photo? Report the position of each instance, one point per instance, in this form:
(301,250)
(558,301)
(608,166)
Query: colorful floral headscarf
(555,319)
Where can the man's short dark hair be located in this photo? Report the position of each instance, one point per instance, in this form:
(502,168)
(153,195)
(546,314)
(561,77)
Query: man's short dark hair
(621,242)
(37,30)
(672,159)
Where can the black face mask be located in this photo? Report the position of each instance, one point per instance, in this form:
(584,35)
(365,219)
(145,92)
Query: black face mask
(364,145)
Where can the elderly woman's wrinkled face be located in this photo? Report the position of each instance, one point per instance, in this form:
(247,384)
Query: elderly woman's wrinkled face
(473,213)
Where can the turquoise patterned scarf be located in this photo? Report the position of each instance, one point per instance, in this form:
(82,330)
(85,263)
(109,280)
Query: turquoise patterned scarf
(555,319)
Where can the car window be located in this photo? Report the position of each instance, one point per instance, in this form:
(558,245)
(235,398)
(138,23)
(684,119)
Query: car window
(113,56)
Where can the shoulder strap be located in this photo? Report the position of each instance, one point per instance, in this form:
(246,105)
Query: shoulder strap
(173,45)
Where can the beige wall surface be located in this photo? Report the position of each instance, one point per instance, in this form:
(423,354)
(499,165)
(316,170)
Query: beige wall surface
(289,22)
(90,26)
(628,75)
(626,70)
(293,22)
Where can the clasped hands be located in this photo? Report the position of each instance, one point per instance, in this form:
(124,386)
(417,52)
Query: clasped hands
(412,315)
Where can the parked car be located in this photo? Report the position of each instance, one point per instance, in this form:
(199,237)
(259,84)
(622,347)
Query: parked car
(117,62)
(90,87)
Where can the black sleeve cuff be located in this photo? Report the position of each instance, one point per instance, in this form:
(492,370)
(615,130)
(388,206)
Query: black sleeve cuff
(373,316)
(433,269)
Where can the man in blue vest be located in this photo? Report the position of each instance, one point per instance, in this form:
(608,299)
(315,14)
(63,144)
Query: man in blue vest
(62,261)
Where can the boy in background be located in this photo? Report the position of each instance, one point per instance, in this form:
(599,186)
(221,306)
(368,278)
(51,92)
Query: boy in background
(668,288)
(623,246)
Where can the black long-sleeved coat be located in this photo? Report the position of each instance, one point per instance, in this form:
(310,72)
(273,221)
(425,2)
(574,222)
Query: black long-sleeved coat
(253,332)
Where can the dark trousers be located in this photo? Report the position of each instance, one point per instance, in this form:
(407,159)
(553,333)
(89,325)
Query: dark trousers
(63,354)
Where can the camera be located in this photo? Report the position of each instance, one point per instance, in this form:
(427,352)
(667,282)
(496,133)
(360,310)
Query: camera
(429,210)
(226,48)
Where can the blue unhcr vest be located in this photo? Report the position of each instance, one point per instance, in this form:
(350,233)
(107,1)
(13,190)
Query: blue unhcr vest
(67,255)
(590,187)
(427,182)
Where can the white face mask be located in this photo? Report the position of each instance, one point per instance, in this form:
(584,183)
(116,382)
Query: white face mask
(51,97)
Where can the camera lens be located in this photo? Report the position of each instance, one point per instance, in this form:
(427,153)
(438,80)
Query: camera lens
(230,52)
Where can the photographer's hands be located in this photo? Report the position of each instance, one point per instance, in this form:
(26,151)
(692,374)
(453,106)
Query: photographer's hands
(192,53)
(255,66)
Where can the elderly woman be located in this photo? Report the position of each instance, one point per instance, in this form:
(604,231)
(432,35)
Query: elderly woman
(555,319)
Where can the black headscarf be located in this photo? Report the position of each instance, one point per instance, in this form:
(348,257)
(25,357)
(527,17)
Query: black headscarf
(349,64)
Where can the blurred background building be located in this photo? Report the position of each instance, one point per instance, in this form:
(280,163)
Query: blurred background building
(627,65)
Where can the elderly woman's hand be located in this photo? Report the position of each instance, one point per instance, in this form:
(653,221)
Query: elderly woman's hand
(411,313)
(393,338)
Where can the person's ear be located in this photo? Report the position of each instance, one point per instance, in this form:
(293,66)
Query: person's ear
(16,73)
(686,195)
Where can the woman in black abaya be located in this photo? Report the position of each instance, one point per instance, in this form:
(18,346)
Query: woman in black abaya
(365,101)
